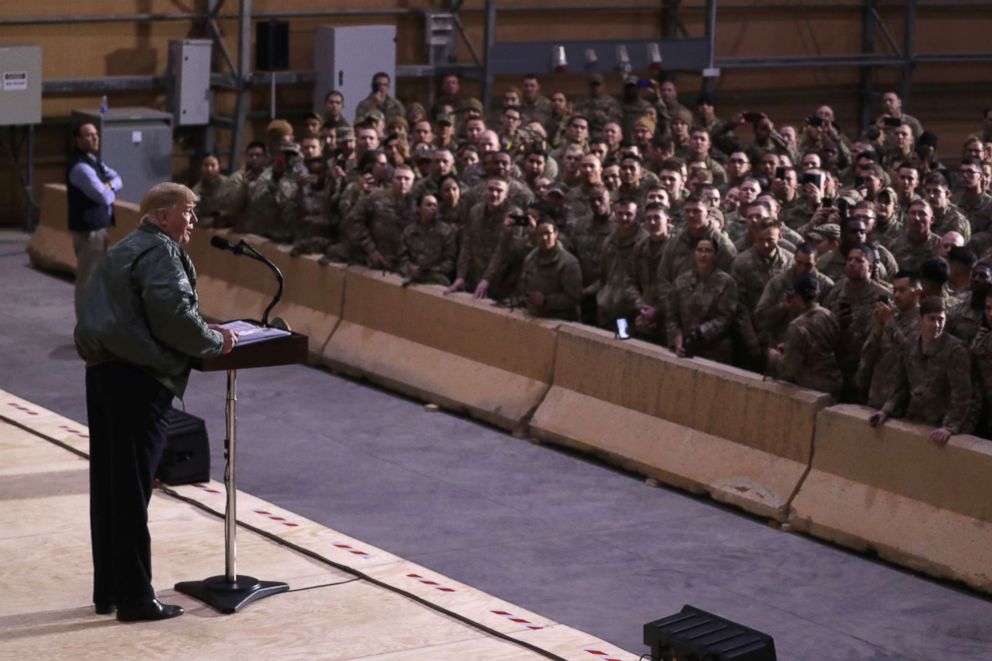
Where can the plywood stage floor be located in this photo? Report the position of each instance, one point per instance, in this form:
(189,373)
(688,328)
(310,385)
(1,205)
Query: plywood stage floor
(347,599)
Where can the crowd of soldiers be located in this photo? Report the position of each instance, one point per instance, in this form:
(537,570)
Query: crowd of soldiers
(855,264)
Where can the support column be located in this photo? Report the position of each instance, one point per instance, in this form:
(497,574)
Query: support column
(868,27)
(243,88)
(908,52)
(487,65)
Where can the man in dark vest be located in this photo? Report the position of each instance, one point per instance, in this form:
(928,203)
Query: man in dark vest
(92,186)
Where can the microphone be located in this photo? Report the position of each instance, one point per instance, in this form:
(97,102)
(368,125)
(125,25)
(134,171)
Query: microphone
(244,248)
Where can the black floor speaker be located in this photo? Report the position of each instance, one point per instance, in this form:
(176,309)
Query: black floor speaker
(186,458)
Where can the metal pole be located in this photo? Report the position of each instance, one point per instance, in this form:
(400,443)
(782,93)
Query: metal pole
(272,98)
(231,512)
(243,88)
(709,83)
(29,181)
(908,51)
(489,42)
(868,24)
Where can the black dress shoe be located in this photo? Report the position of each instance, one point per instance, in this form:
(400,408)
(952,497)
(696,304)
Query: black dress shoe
(103,608)
(148,612)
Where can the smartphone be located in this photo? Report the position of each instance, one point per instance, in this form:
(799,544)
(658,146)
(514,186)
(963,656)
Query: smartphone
(812,178)
(622,330)
(644,84)
(892,121)
(780,172)
(753,117)
(827,202)
(813,120)
(885,298)
(520,219)
(859,181)
(842,206)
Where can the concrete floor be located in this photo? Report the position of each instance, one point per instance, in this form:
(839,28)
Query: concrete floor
(572,539)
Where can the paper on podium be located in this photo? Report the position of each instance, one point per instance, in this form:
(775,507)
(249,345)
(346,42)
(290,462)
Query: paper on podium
(249,333)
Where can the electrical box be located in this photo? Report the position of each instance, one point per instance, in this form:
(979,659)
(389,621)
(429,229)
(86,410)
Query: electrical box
(346,58)
(20,85)
(189,64)
(137,142)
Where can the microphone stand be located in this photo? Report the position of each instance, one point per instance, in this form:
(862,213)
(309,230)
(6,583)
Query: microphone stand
(243,248)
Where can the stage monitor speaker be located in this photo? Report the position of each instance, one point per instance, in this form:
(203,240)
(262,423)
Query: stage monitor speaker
(186,458)
(272,45)
(696,634)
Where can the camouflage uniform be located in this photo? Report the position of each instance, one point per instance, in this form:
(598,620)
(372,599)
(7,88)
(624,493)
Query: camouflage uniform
(797,215)
(588,238)
(879,366)
(377,222)
(978,210)
(213,199)
(860,300)
(599,110)
(708,305)
(809,358)
(538,111)
(517,194)
(646,289)
(556,275)
(833,263)
(391,108)
(771,319)
(614,299)
(504,269)
(753,271)
(910,255)
(964,319)
(886,233)
(936,385)
(480,237)
(981,352)
(432,249)
(951,219)
(679,255)
(271,207)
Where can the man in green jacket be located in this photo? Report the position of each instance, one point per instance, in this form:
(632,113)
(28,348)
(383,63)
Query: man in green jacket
(138,331)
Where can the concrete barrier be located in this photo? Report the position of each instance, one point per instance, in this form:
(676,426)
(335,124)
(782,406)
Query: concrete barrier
(50,247)
(313,295)
(451,350)
(691,423)
(891,490)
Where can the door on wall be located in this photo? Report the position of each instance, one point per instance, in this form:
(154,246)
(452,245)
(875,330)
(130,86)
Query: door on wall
(346,58)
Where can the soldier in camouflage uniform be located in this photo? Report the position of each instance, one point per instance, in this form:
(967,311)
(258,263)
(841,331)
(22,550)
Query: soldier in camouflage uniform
(379,100)
(935,385)
(808,356)
(550,284)
(212,189)
(852,301)
(599,107)
(614,299)
(271,207)
(236,198)
(702,306)
(981,353)
(917,243)
(429,246)
(946,216)
(535,107)
(480,237)
(679,255)
(974,201)
(375,225)
(895,326)
(966,318)
(314,229)
(650,296)
(773,314)
(588,238)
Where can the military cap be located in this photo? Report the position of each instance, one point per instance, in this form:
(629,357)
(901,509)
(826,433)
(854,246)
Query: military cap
(472,104)
(445,118)
(557,189)
(827,231)
(596,79)
(683,115)
(279,127)
(346,133)
(374,115)
(647,123)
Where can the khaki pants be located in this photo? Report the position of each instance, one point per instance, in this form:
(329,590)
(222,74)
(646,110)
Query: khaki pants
(90,247)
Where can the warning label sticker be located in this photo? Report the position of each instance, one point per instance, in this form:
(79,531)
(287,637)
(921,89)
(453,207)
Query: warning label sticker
(15,80)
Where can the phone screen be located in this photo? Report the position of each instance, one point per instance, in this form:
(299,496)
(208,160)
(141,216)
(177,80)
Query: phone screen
(622,330)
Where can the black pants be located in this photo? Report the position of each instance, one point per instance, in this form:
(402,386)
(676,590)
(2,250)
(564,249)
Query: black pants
(126,409)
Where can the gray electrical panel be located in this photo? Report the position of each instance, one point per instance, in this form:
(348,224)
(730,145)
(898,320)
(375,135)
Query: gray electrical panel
(137,142)
(20,85)
(345,60)
(189,64)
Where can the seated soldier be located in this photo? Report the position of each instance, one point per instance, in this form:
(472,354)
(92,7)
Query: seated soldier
(551,282)
(934,379)
(429,246)
(808,357)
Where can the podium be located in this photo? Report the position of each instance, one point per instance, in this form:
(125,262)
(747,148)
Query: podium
(231,592)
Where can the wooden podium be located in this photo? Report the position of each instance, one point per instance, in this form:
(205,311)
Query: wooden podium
(230,592)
